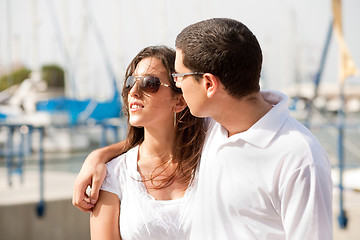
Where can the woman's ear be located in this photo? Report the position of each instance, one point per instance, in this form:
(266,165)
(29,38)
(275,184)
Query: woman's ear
(211,84)
(180,104)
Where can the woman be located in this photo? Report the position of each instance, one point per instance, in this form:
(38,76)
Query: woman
(154,180)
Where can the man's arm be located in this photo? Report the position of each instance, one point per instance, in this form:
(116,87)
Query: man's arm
(92,173)
(307,204)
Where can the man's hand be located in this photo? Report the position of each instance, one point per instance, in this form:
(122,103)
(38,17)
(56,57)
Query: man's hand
(92,174)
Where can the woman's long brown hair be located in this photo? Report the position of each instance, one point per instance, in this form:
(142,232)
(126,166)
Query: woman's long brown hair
(190,130)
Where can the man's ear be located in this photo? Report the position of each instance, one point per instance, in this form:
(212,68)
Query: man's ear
(211,84)
(180,104)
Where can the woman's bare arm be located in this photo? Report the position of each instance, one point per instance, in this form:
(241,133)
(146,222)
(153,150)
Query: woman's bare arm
(104,220)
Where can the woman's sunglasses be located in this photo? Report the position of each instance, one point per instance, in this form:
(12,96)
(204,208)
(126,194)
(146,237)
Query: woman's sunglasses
(149,84)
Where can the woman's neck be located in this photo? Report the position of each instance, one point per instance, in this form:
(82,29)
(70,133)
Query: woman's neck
(156,165)
(157,145)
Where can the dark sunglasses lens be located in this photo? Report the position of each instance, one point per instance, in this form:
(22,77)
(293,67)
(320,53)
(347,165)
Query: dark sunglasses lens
(150,84)
(129,83)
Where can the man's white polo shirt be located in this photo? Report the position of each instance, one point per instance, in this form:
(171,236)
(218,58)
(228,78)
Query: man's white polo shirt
(272,181)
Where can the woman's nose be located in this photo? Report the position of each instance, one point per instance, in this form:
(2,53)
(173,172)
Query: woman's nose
(135,90)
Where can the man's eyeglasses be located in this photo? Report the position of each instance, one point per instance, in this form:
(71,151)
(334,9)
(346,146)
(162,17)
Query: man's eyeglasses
(179,77)
(149,84)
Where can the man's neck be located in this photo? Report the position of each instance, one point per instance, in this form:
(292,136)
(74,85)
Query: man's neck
(238,115)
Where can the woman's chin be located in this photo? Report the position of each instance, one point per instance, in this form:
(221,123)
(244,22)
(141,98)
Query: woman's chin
(135,124)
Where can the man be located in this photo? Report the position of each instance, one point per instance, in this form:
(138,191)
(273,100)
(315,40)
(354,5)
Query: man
(262,174)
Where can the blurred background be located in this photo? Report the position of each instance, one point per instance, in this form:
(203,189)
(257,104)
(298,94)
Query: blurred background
(61,70)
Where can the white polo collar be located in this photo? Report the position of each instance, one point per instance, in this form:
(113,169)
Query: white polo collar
(264,130)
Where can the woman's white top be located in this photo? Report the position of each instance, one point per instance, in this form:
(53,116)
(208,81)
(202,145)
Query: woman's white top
(142,216)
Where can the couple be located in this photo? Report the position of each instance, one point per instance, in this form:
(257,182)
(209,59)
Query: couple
(262,175)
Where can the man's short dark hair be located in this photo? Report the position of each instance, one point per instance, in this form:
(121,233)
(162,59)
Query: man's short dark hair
(225,48)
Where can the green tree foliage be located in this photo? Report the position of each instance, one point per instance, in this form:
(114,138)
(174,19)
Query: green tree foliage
(53,75)
(16,77)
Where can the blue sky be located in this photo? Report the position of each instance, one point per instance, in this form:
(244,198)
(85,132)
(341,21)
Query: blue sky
(292,34)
